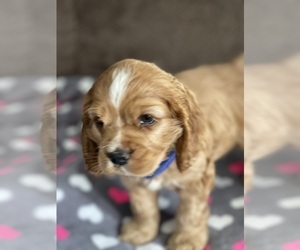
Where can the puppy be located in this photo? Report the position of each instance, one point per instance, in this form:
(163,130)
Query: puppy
(271,110)
(137,117)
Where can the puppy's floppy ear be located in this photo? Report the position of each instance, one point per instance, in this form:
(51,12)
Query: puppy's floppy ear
(193,141)
(89,147)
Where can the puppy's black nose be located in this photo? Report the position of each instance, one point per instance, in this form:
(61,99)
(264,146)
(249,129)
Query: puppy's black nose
(119,157)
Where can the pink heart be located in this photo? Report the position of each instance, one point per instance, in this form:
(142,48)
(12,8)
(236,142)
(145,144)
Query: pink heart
(30,139)
(8,233)
(62,233)
(289,168)
(292,246)
(5,170)
(75,139)
(239,245)
(246,199)
(65,163)
(2,104)
(207,248)
(209,200)
(69,159)
(119,196)
(22,159)
(60,170)
(237,167)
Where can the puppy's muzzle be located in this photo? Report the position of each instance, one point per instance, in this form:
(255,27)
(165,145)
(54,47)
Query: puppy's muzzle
(119,157)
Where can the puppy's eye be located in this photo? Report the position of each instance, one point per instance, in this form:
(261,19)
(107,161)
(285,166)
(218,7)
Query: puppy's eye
(98,122)
(146,120)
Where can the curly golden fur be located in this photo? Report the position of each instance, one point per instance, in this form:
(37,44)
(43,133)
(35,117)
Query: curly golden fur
(271,110)
(199,113)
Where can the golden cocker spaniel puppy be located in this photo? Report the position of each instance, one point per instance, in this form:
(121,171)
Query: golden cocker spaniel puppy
(272,107)
(157,131)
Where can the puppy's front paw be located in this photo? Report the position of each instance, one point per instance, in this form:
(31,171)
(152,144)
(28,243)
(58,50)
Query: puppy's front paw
(188,241)
(138,232)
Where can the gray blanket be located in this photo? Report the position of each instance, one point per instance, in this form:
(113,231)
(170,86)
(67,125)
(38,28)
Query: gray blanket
(90,210)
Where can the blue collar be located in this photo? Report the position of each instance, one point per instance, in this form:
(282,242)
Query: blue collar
(163,166)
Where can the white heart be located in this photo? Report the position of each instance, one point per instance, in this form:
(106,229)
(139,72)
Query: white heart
(22,145)
(85,84)
(163,202)
(5,195)
(262,222)
(72,130)
(61,83)
(45,84)
(81,182)
(102,241)
(71,145)
(38,181)
(13,108)
(27,130)
(168,226)
(90,213)
(47,212)
(60,195)
(64,108)
(266,182)
(237,203)
(290,203)
(223,182)
(151,246)
(220,222)
(6,83)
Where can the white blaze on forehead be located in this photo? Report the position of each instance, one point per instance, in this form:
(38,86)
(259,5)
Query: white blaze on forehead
(116,142)
(118,86)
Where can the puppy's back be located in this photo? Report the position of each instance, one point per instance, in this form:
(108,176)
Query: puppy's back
(220,92)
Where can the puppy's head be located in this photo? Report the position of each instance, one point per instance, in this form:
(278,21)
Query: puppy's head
(133,115)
